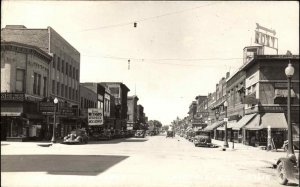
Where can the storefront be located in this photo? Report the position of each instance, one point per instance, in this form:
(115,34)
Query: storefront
(20,118)
(257,129)
(238,133)
(213,129)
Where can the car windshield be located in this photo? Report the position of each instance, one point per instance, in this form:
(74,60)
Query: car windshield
(202,133)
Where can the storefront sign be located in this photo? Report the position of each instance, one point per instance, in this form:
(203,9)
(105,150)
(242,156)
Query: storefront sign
(46,107)
(67,111)
(95,116)
(12,96)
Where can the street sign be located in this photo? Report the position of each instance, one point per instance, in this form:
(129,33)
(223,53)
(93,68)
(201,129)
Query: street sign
(95,116)
(46,107)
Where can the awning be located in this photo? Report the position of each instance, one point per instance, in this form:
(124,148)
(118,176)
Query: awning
(243,121)
(230,124)
(262,121)
(213,126)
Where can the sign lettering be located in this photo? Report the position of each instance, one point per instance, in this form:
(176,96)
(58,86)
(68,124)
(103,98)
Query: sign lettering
(95,116)
(12,97)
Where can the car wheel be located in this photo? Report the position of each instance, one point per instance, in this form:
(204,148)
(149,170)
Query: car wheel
(281,174)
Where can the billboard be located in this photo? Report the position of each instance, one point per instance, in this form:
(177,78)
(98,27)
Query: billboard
(95,116)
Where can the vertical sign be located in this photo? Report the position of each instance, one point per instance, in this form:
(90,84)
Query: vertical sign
(95,116)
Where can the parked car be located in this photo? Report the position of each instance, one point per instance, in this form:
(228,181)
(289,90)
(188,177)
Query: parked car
(106,135)
(288,169)
(77,136)
(139,134)
(202,138)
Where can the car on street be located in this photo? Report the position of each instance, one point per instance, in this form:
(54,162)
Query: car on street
(170,134)
(202,138)
(288,169)
(78,136)
(106,135)
(139,134)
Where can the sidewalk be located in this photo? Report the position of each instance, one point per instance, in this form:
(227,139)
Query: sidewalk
(237,146)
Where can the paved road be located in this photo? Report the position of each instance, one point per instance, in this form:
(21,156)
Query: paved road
(151,162)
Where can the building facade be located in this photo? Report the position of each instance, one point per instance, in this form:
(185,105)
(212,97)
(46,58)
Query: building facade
(24,82)
(64,74)
(132,112)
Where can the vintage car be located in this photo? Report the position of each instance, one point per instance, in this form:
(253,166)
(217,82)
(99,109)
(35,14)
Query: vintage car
(202,138)
(170,134)
(106,135)
(77,136)
(139,134)
(288,169)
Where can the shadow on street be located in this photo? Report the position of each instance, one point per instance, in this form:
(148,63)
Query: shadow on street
(116,141)
(60,164)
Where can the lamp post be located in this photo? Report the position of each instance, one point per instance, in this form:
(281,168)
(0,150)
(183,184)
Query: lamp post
(53,140)
(225,119)
(289,71)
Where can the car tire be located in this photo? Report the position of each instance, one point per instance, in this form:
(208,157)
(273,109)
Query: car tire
(281,174)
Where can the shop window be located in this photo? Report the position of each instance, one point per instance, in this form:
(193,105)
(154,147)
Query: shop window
(20,80)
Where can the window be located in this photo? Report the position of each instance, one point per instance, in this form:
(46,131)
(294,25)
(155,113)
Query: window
(73,75)
(85,103)
(70,92)
(58,63)
(76,94)
(39,81)
(34,83)
(53,86)
(20,80)
(70,71)
(66,91)
(45,87)
(62,90)
(58,88)
(54,61)
(81,102)
(62,66)
(77,75)
(67,68)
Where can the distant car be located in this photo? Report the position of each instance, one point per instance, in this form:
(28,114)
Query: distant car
(139,134)
(170,134)
(202,138)
(78,136)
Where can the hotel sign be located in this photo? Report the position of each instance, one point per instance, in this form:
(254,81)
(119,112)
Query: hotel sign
(12,96)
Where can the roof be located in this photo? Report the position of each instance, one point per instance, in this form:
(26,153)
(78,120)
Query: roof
(262,121)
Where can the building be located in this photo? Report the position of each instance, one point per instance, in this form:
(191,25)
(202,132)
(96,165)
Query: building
(140,116)
(132,120)
(88,99)
(64,70)
(200,118)
(24,82)
(119,91)
(266,97)
(217,105)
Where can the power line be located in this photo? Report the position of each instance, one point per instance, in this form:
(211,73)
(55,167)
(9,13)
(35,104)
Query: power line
(146,19)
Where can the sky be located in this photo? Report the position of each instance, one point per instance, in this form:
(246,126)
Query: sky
(179,49)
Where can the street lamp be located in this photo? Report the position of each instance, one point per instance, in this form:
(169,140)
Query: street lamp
(54,120)
(289,71)
(225,119)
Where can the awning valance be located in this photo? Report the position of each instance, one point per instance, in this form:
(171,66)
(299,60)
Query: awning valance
(213,126)
(262,121)
(11,113)
(243,121)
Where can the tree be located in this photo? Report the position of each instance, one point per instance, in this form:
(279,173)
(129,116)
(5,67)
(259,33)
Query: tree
(165,127)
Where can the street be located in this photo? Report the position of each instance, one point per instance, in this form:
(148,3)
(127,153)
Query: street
(150,161)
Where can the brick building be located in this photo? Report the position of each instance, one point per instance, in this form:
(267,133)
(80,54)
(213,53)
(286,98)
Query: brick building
(64,69)
(24,82)
(132,112)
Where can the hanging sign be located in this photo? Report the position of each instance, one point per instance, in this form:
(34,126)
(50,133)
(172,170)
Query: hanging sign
(95,116)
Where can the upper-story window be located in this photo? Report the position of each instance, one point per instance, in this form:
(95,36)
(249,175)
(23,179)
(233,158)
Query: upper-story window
(58,63)
(35,83)
(54,61)
(45,87)
(67,68)
(20,80)
(77,75)
(62,66)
